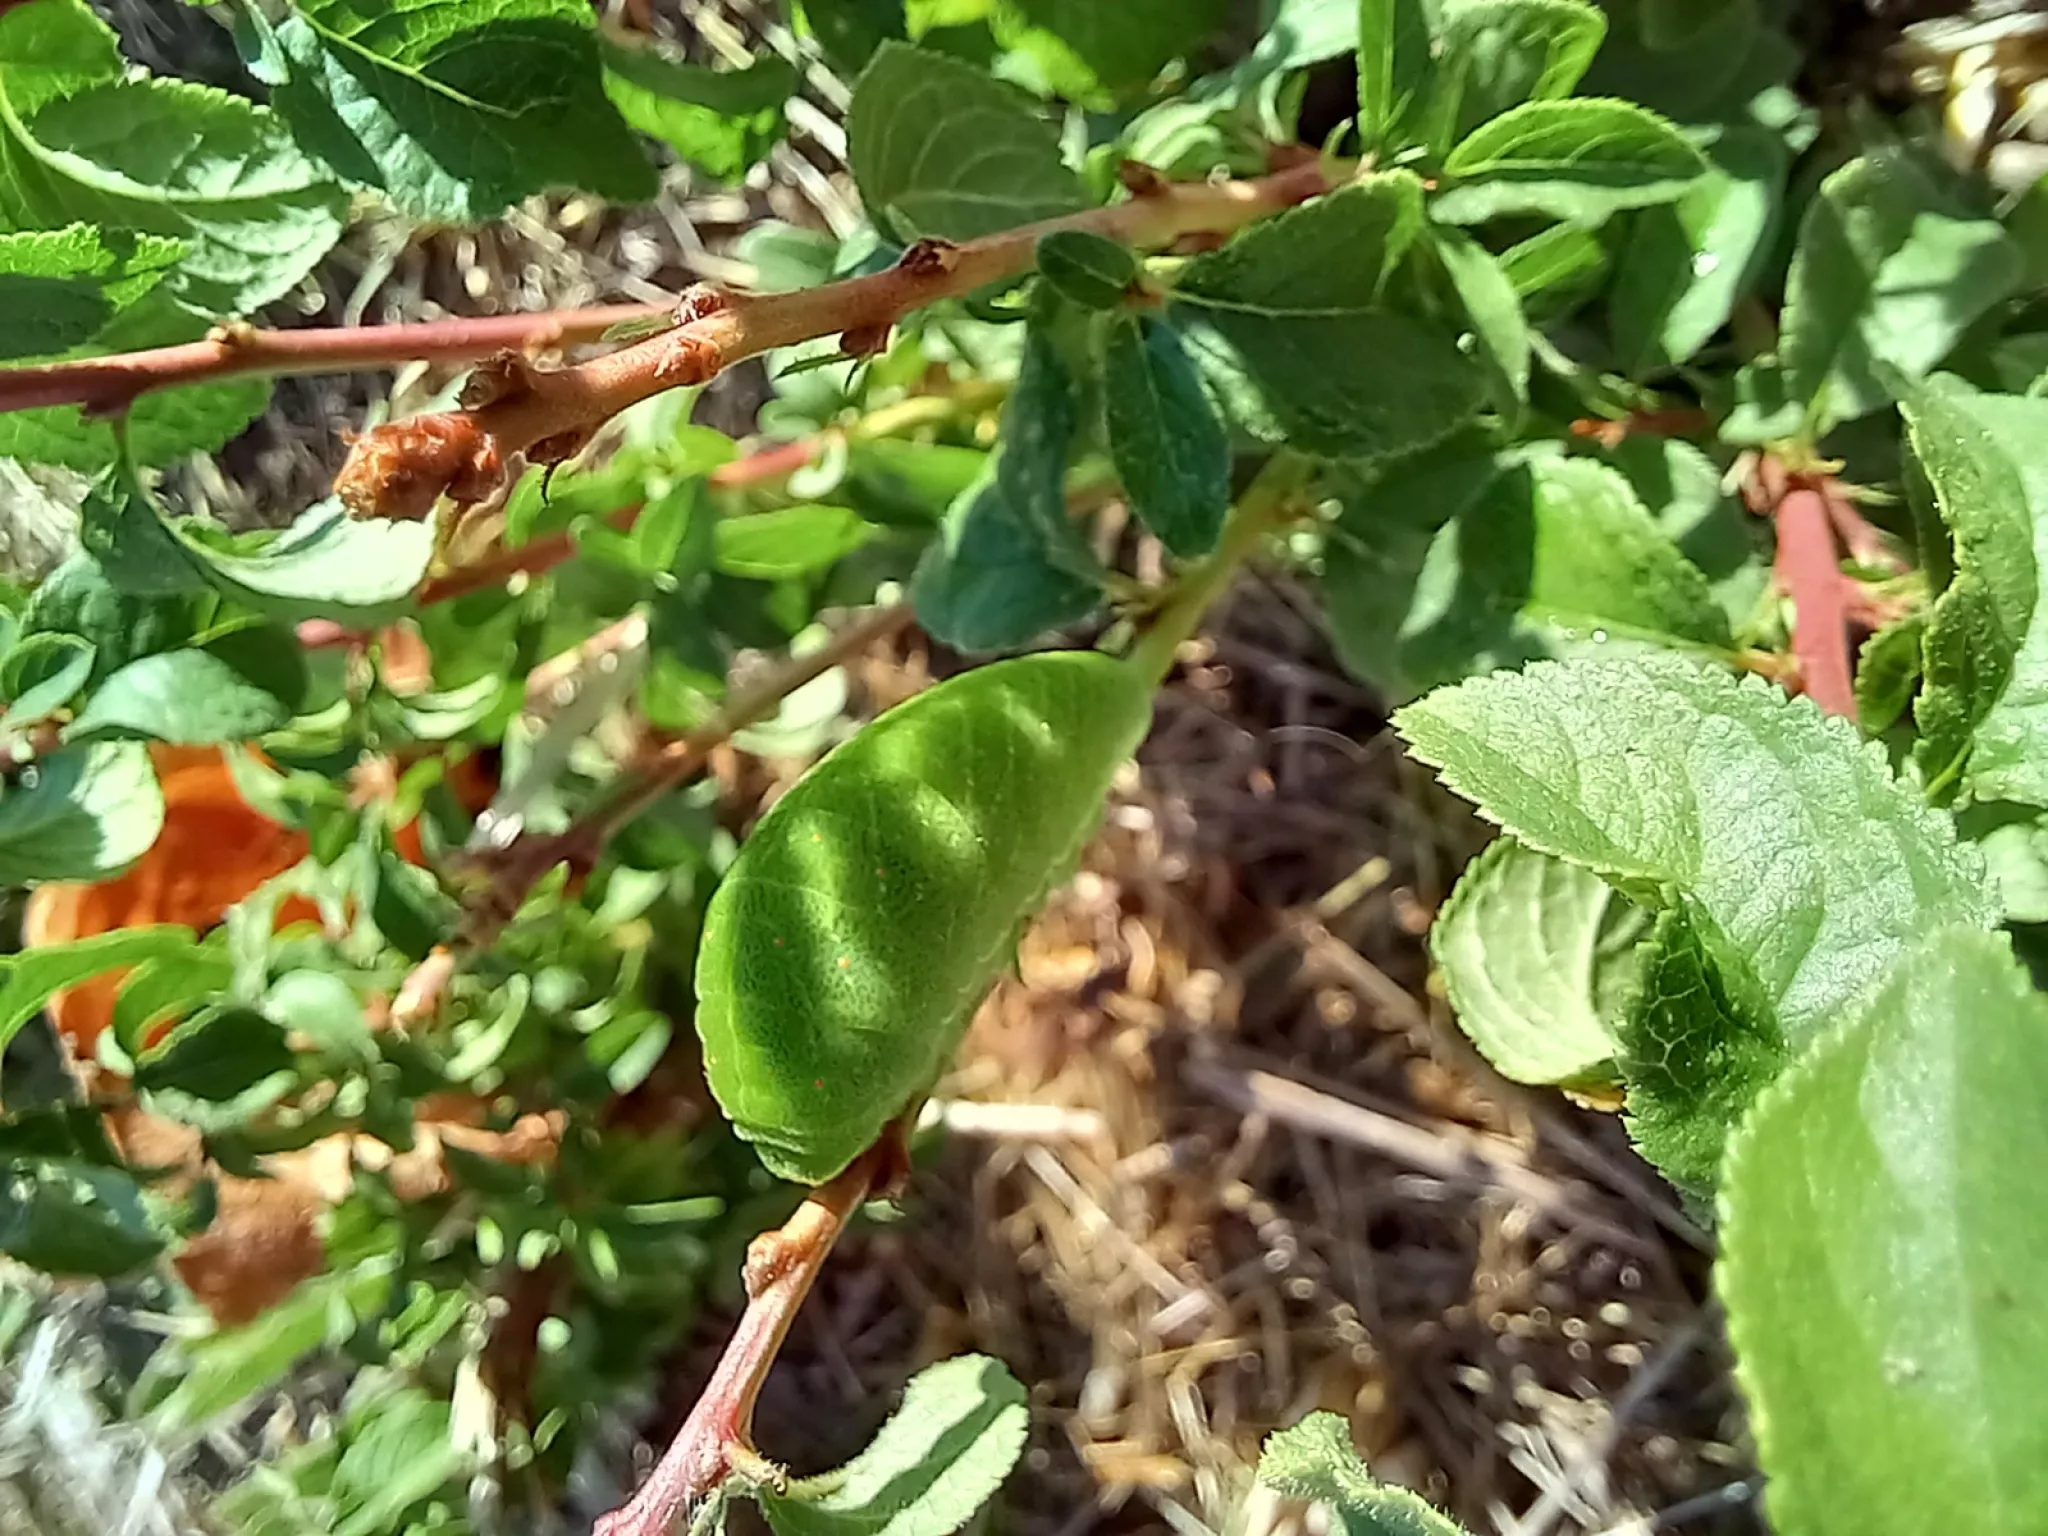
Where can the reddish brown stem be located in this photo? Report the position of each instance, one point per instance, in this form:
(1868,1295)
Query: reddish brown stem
(1809,569)
(782,1267)
(401,469)
(105,385)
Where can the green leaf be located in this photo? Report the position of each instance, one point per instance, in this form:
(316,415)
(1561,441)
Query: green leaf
(237,688)
(2014,842)
(1887,672)
(1092,272)
(939,147)
(163,426)
(723,122)
(1460,560)
(1894,262)
(1685,264)
(456,109)
(1394,68)
(79,599)
(1316,1460)
(1164,436)
(1696,1047)
(1301,300)
(791,541)
(1498,54)
(325,565)
(1778,825)
(67,1218)
(58,287)
(1881,1237)
(79,813)
(222,1370)
(399,1452)
(1971,448)
(1982,454)
(28,980)
(88,144)
(1491,304)
(1556,271)
(1538,956)
(1580,160)
(41,674)
(1124,47)
(217,1056)
(938,1459)
(1009,564)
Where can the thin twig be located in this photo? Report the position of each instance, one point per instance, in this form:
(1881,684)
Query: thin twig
(401,469)
(106,385)
(717,1438)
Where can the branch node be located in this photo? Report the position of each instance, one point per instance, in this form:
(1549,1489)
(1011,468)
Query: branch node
(1140,179)
(928,258)
(700,301)
(234,334)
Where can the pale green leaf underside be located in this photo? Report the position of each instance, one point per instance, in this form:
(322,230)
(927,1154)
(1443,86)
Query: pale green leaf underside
(1537,955)
(939,147)
(1316,1460)
(1781,828)
(1971,448)
(1997,443)
(1882,1234)
(932,1465)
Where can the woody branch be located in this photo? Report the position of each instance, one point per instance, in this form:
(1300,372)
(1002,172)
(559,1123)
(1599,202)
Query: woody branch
(400,470)
(109,385)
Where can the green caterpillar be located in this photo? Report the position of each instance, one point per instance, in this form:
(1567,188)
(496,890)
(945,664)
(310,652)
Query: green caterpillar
(848,945)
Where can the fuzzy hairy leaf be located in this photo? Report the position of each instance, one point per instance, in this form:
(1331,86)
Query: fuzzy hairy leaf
(1579,159)
(1461,560)
(1696,1048)
(1882,1230)
(1986,647)
(1778,826)
(1316,1460)
(84,144)
(1302,301)
(938,1459)
(941,148)
(1894,262)
(1971,448)
(456,109)
(1538,957)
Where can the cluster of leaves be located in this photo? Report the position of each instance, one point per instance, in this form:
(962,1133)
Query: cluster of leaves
(1585,270)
